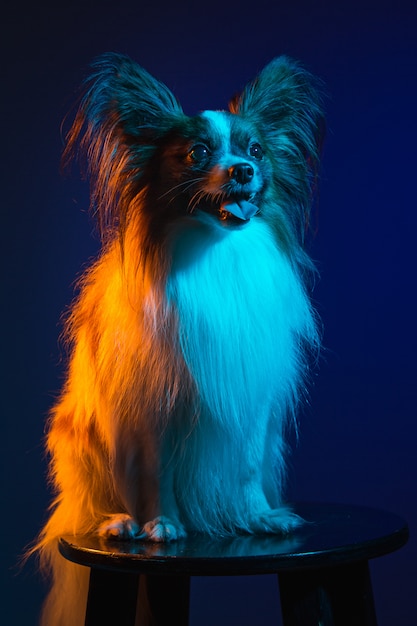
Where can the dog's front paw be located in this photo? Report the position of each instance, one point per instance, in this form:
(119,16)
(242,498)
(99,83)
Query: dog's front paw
(119,526)
(277,521)
(162,529)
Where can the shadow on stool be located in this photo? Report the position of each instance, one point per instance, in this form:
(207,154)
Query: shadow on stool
(322,569)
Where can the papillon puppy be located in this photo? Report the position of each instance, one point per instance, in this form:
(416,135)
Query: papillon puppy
(191,337)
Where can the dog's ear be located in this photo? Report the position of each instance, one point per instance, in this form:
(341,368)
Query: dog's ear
(286,101)
(120,89)
(122,114)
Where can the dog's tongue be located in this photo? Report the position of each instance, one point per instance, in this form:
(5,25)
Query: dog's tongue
(242,209)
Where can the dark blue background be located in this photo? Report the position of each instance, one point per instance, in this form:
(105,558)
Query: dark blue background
(358,436)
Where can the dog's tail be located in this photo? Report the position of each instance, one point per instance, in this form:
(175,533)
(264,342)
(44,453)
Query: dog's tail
(66,602)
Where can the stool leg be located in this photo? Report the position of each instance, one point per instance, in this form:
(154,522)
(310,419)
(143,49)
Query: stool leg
(111,598)
(331,596)
(163,600)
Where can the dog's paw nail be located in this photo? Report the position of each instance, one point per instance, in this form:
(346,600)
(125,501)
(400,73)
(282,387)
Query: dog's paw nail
(119,526)
(162,529)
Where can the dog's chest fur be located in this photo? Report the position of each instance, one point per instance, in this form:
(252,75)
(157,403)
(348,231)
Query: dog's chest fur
(241,312)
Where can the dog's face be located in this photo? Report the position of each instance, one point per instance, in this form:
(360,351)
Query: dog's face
(216,162)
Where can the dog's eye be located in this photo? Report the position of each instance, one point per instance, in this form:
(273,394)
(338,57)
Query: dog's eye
(256,151)
(199,153)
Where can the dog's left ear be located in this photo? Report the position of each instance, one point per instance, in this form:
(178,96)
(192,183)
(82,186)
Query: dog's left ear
(286,101)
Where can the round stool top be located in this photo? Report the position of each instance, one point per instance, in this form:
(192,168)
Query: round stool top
(333,534)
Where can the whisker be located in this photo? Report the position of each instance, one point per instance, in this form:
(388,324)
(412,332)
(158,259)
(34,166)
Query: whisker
(196,199)
(183,186)
(201,195)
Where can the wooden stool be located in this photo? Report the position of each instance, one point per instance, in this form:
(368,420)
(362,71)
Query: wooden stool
(322,569)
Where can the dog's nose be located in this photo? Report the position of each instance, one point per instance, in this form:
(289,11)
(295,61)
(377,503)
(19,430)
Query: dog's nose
(241,172)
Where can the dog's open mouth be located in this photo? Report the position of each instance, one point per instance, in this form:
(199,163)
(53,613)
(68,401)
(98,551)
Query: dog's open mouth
(234,209)
(239,209)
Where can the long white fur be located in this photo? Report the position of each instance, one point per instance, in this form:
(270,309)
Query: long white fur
(240,304)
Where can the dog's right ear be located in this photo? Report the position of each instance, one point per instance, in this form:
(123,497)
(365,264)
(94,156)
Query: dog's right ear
(123,113)
(122,93)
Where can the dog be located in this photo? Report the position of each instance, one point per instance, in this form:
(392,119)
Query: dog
(193,334)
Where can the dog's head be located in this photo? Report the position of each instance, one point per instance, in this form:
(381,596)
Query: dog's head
(144,154)
(216,162)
